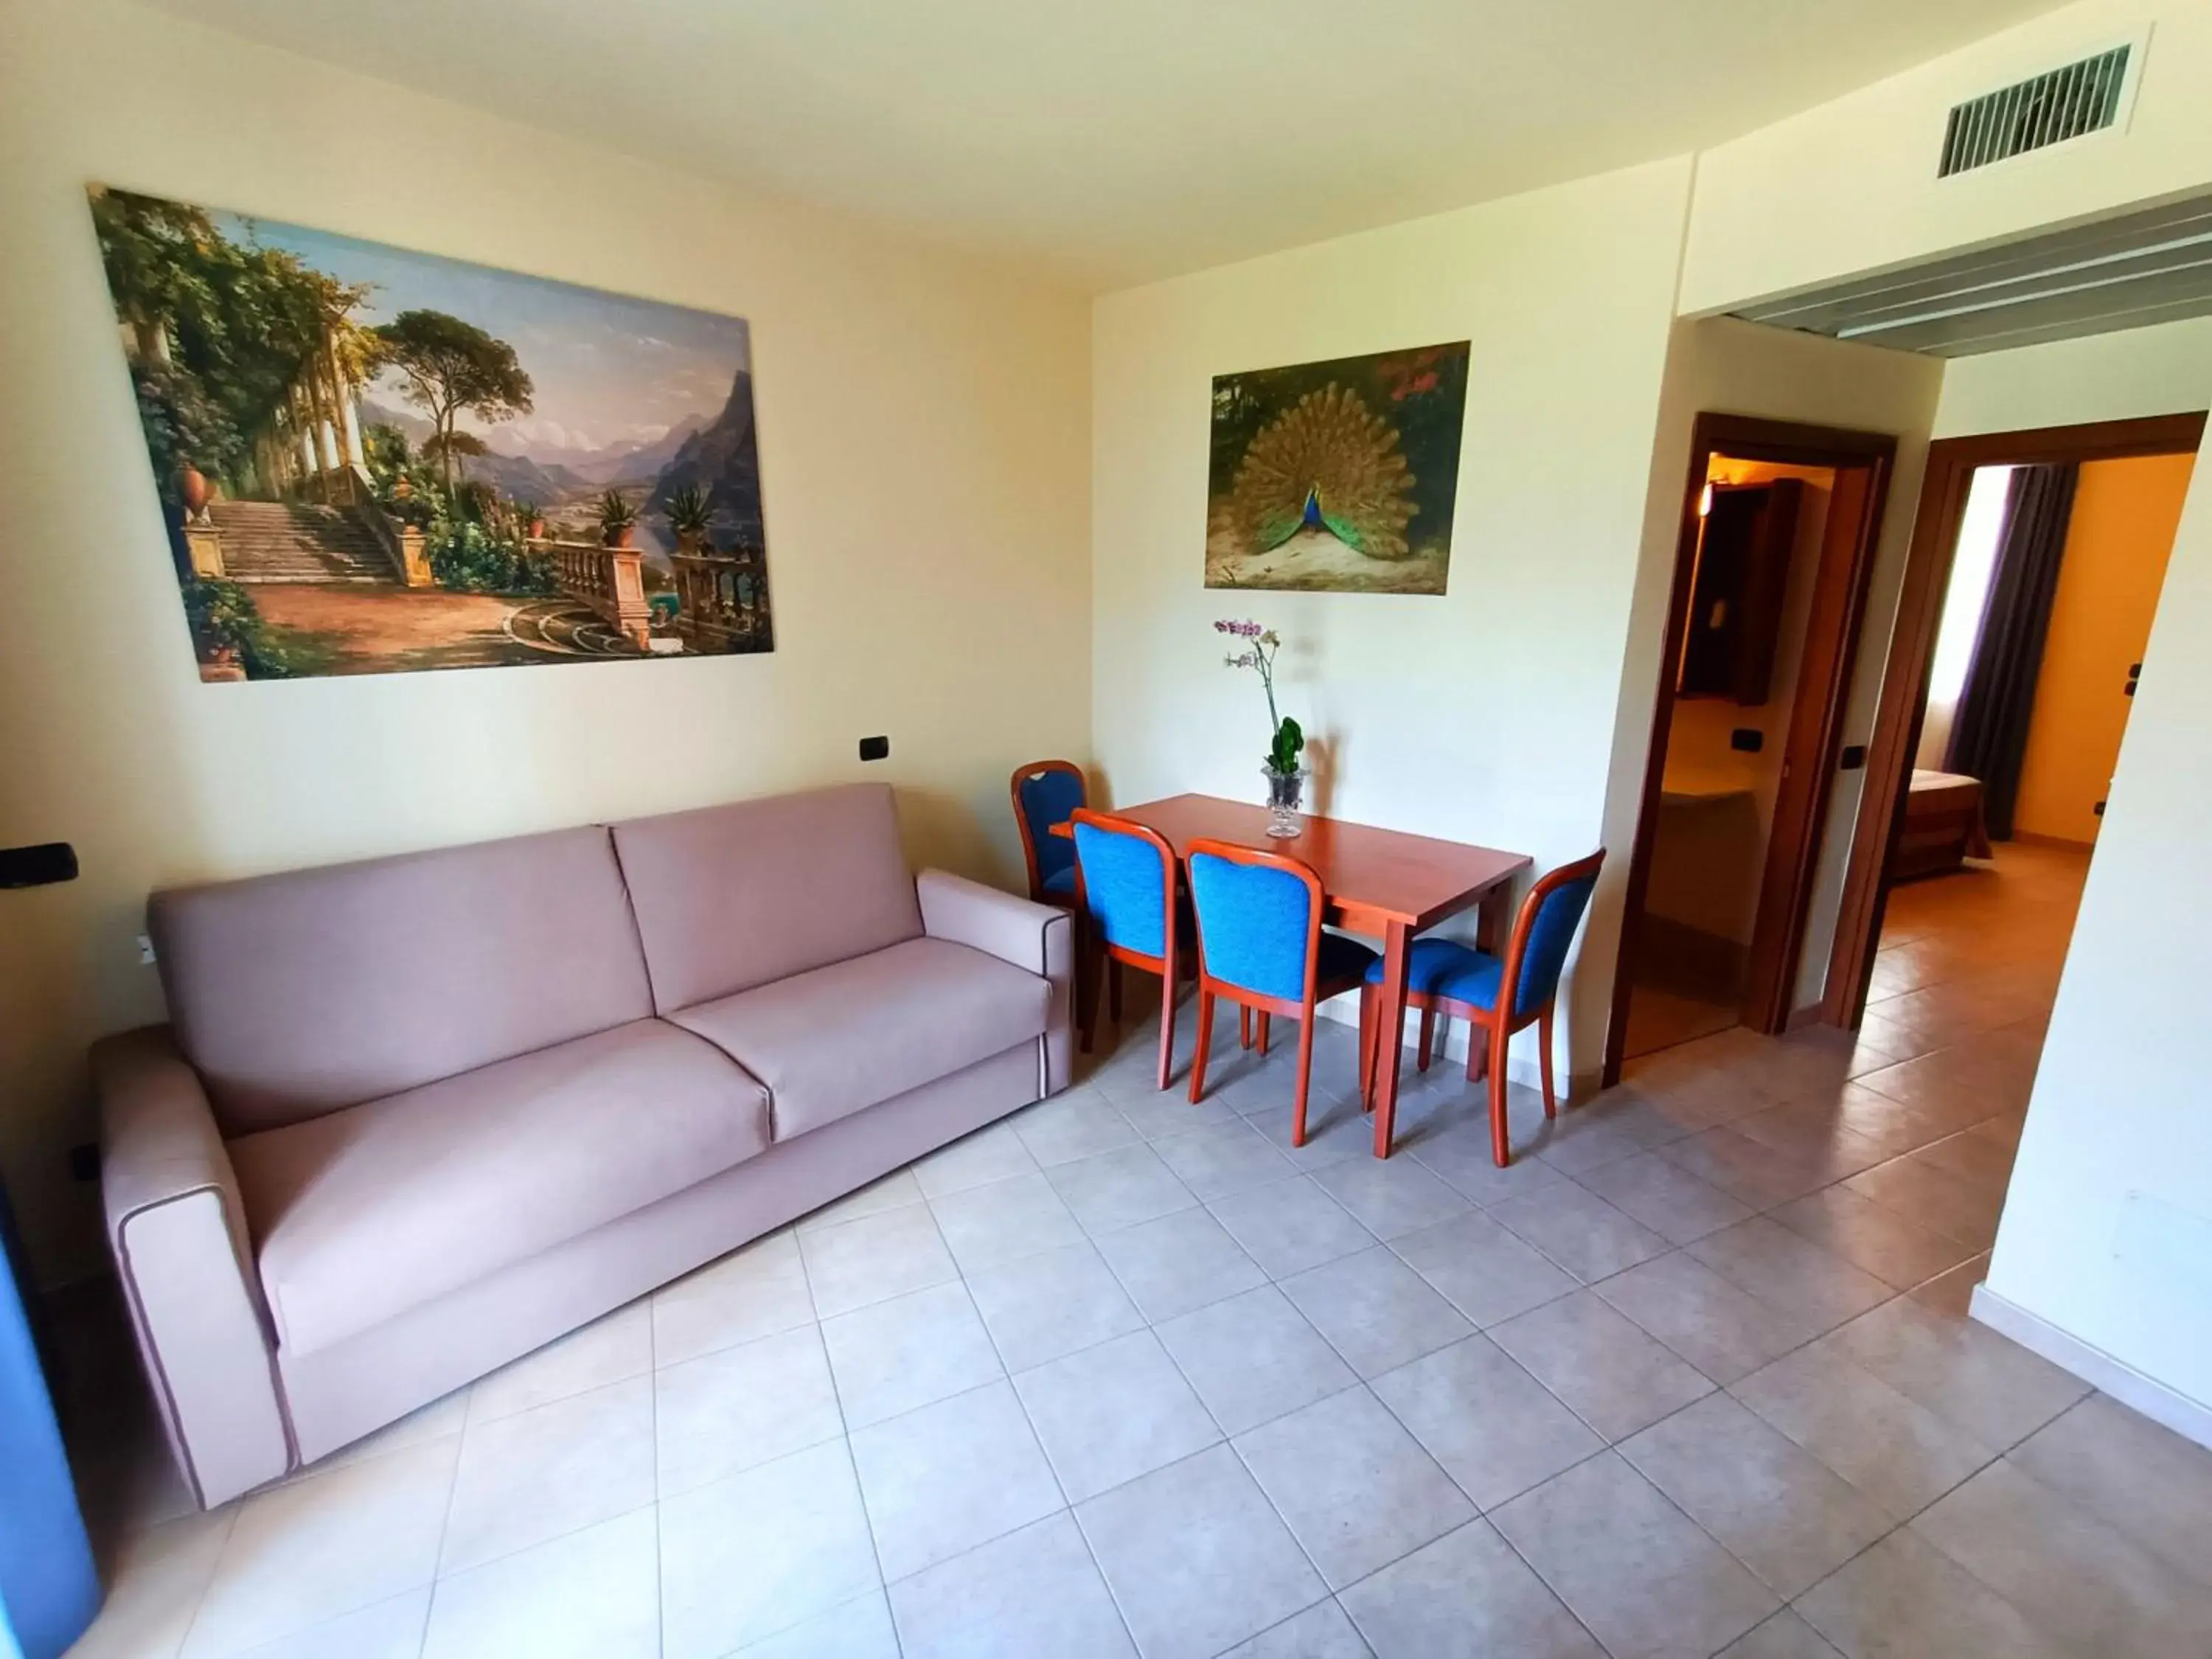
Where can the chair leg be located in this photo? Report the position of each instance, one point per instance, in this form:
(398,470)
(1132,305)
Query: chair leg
(1367,1047)
(1263,1035)
(1428,1038)
(1544,1035)
(1167,1022)
(1478,1051)
(1243,1026)
(1501,1144)
(1205,1042)
(1305,1077)
(1113,989)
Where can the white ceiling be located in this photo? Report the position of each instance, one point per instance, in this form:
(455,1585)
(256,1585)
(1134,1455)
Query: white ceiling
(1118,140)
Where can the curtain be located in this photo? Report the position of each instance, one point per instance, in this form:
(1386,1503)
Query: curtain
(1989,733)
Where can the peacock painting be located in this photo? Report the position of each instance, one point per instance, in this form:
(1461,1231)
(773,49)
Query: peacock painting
(1338,476)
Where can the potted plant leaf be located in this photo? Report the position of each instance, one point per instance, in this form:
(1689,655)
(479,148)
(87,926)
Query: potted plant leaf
(689,515)
(618,518)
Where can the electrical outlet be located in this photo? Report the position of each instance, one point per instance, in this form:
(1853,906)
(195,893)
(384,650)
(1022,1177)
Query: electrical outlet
(875,749)
(145,950)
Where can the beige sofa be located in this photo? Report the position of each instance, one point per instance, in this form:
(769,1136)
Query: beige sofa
(418,1116)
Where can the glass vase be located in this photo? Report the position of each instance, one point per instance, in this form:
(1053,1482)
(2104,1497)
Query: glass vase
(1286,792)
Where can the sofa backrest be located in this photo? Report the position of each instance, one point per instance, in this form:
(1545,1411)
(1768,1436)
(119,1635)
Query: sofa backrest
(295,994)
(729,897)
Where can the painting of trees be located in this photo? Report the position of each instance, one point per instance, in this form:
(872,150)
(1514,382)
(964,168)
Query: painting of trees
(451,366)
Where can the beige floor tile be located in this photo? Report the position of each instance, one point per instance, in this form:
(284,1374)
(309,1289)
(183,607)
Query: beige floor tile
(1119,1188)
(880,1257)
(942,1479)
(608,1350)
(386,1630)
(1630,1565)
(1288,1226)
(1231,1158)
(1904,1596)
(1323,1631)
(1873,1238)
(1034,1591)
(859,1629)
(893,1356)
(757,1291)
(1580,1231)
(1752,1174)
(302,1554)
(591,1595)
(1043,1306)
(1108,1414)
(1074,1125)
(1775,1507)
(1356,1489)
(1254,1358)
(1898,1453)
(1177,1263)
(1609,1373)
(1375,1310)
(1790,1272)
(2061,1564)
(1465,1595)
(155,1578)
(1992,1387)
(1392,1197)
(557,1468)
(1462,1157)
(1724,1332)
(1485,1272)
(1197,1558)
(1670,1201)
(754,1555)
(739,1407)
(1785,1636)
(990,1154)
(1003,1221)
(2136,1475)
(1490,1426)
(895,1191)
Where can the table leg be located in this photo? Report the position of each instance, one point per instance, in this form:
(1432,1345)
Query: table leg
(1389,1032)
(1493,918)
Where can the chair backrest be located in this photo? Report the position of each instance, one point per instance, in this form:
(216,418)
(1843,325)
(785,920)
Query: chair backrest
(1125,882)
(1537,953)
(1046,792)
(1259,917)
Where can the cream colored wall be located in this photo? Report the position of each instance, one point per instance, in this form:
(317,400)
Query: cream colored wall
(1738,368)
(923,433)
(1486,714)
(2104,1254)
(2165,370)
(1850,186)
(2116,544)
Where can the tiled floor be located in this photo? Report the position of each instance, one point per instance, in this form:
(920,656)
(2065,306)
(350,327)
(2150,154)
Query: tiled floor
(1122,1375)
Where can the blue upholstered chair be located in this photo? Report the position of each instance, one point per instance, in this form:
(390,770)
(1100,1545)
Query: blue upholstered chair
(1497,996)
(1047,792)
(1125,887)
(1261,944)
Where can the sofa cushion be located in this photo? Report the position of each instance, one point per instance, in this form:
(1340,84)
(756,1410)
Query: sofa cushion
(297,993)
(833,1041)
(729,897)
(363,1213)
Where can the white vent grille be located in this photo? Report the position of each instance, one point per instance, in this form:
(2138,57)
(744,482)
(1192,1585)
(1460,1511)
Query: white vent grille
(2049,109)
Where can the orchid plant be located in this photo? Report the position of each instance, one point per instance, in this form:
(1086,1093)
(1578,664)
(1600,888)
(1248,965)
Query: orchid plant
(1261,645)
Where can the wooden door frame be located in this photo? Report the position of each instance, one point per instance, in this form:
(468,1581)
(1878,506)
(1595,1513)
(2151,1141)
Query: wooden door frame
(1952,463)
(1814,738)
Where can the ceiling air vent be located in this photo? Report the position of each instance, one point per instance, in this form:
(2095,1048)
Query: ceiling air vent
(2032,114)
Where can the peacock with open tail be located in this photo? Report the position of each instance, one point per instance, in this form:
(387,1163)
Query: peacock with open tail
(1326,464)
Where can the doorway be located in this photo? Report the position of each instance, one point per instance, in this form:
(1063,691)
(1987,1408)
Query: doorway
(2018,800)
(1773,562)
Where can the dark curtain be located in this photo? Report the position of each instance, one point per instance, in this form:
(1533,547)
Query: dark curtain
(1989,733)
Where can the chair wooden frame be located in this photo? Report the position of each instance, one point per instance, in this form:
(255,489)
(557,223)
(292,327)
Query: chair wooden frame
(1252,1002)
(1499,1022)
(1111,957)
(1022,822)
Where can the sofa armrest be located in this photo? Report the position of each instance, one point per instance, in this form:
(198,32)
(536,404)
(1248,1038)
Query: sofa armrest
(178,1230)
(1038,937)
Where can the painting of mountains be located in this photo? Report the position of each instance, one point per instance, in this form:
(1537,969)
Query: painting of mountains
(374,461)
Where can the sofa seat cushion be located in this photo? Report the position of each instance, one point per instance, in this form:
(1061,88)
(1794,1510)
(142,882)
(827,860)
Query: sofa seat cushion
(364,1213)
(836,1040)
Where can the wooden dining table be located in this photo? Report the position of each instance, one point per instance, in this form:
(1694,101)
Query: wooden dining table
(1383,883)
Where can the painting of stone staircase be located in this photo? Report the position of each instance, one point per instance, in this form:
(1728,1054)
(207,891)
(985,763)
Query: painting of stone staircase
(299,541)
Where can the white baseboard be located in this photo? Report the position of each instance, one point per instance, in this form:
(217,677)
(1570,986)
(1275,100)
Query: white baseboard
(2190,1418)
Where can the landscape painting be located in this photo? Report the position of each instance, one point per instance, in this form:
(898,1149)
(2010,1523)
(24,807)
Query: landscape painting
(373,461)
(1337,476)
